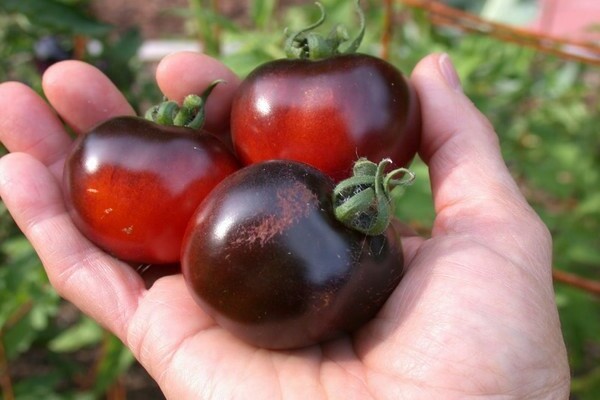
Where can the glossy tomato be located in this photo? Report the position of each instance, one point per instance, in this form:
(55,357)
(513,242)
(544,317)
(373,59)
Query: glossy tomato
(265,256)
(326,113)
(325,107)
(132,185)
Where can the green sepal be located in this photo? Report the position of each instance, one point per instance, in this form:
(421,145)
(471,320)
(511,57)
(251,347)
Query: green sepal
(363,202)
(191,114)
(308,45)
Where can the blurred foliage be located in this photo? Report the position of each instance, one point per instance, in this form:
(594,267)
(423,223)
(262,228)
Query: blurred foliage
(546,112)
(26,26)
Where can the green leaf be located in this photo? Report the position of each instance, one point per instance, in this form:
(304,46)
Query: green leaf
(57,16)
(85,333)
(589,206)
(27,302)
(117,359)
(578,315)
(38,387)
(261,12)
(414,204)
(587,386)
(20,336)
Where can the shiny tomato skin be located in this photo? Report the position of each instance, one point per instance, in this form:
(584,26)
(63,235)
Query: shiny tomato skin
(131,186)
(327,113)
(267,259)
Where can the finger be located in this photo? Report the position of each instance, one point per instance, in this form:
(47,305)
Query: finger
(186,73)
(82,95)
(458,143)
(99,285)
(29,125)
(473,190)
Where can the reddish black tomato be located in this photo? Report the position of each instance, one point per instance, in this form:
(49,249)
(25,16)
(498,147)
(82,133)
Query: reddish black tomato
(326,107)
(327,113)
(265,256)
(131,185)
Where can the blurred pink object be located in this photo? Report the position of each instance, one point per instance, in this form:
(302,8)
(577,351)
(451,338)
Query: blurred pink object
(569,19)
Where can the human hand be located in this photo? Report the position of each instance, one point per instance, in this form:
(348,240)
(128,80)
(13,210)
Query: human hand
(474,315)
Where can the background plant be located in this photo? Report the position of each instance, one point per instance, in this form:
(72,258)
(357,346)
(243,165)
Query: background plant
(544,105)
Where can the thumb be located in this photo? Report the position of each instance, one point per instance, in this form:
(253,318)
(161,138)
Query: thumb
(458,143)
(474,194)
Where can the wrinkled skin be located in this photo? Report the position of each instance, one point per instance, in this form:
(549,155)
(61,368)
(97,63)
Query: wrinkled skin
(474,316)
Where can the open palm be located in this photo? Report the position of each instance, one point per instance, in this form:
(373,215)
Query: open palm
(473,317)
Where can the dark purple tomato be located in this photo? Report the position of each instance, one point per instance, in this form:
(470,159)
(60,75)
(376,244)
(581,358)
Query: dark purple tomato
(49,50)
(327,113)
(131,185)
(265,256)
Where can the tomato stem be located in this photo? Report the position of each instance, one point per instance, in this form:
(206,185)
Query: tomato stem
(305,44)
(191,114)
(165,112)
(363,202)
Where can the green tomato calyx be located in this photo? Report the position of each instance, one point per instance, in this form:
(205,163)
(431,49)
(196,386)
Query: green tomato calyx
(306,44)
(363,202)
(191,113)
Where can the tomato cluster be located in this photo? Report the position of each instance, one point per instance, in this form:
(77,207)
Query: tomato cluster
(285,238)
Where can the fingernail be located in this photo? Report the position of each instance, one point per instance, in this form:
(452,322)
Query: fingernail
(449,72)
